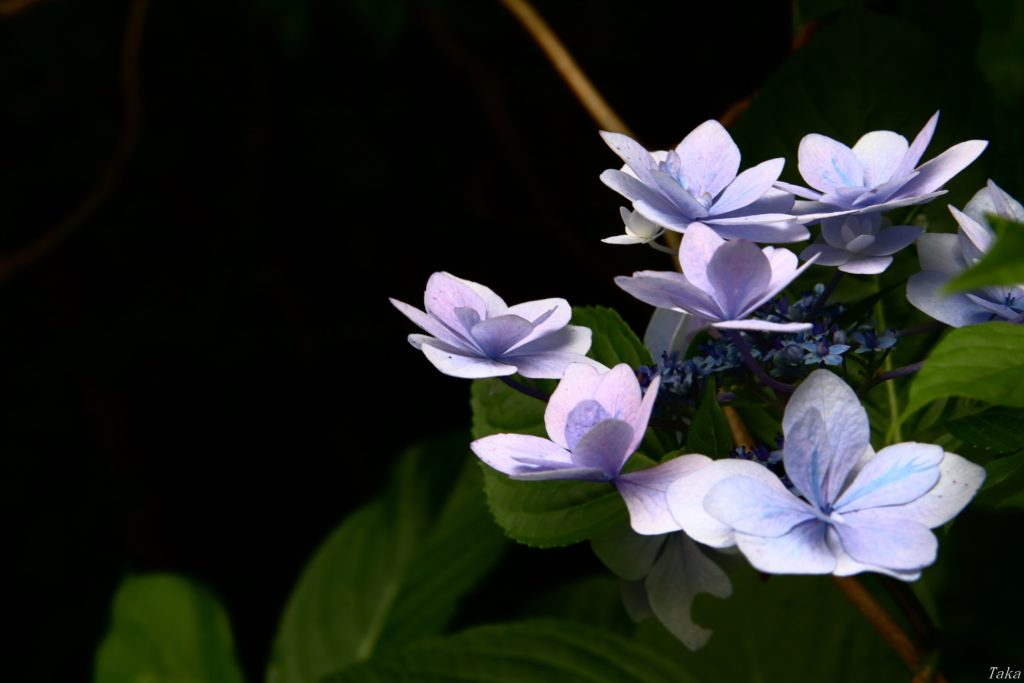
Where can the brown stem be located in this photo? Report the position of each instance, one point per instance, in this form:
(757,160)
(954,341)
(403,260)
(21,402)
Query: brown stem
(598,108)
(14,263)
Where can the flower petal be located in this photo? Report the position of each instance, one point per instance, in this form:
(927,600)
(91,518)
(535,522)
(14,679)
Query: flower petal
(776,230)
(866,265)
(446,294)
(604,447)
(959,480)
(827,164)
(846,431)
(847,566)
(633,153)
(883,537)
(682,201)
(670,330)
(924,291)
(496,335)
(798,190)
(740,274)
(644,493)
(826,255)
(880,153)
(581,419)
(626,553)
(801,550)
(975,238)
(917,147)
(897,475)
(762,326)
(686,495)
(548,364)
(708,158)
(493,304)
(634,190)
(578,384)
(455,364)
(679,574)
(569,339)
(671,218)
(992,199)
(670,290)
(756,507)
(933,174)
(506,453)
(748,186)
(696,249)
(890,240)
(432,325)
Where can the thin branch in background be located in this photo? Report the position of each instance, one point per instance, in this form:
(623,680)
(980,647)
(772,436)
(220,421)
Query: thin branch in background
(598,108)
(904,371)
(9,8)
(523,389)
(132,111)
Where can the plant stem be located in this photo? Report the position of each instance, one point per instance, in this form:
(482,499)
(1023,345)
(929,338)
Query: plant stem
(820,303)
(523,389)
(895,373)
(893,434)
(736,338)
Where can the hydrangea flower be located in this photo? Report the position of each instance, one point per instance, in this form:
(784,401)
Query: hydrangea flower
(639,230)
(722,282)
(698,182)
(595,421)
(943,256)
(878,174)
(860,510)
(858,243)
(473,333)
(661,576)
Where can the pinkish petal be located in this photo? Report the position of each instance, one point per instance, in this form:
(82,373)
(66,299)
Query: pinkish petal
(644,493)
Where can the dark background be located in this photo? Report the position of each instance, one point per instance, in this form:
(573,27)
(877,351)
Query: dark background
(205,376)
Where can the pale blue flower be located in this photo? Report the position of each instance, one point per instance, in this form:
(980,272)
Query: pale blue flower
(859,511)
(722,282)
(698,182)
(943,256)
(595,421)
(639,230)
(473,333)
(858,243)
(878,174)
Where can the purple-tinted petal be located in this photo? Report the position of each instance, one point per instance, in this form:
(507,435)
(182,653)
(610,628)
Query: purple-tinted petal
(447,293)
(624,239)
(497,335)
(876,196)
(548,364)
(679,574)
(807,457)
(992,199)
(670,290)
(847,566)
(627,554)
(683,201)
(619,392)
(709,158)
(940,253)
(880,153)
(547,315)
(891,240)
(781,277)
(507,452)
(644,493)
(975,238)
(959,480)
(686,495)
(771,231)
(578,384)
(772,201)
(581,419)
(740,274)
(493,304)
(882,537)
(738,218)
(604,447)
(748,186)
(630,151)
(634,190)
(924,291)
(802,550)
(455,364)
(917,147)
(846,427)
(991,301)
(570,339)
(431,325)
(698,246)
(827,165)
(798,190)
(756,507)
(866,265)
(933,174)
(671,218)
(762,326)
(640,419)
(826,255)
(896,475)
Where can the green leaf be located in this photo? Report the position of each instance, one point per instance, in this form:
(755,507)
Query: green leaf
(995,429)
(543,651)
(166,628)
(709,432)
(1002,264)
(983,362)
(782,628)
(500,409)
(392,572)
(1004,483)
(613,341)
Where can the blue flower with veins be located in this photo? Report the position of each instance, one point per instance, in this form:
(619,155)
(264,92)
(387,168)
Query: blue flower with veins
(859,244)
(859,510)
(697,182)
(943,256)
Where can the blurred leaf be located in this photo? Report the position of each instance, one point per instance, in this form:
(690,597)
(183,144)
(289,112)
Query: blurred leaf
(1004,483)
(392,572)
(542,651)
(996,429)
(1003,264)
(1001,51)
(537,513)
(166,628)
(983,362)
(709,432)
(782,628)
(613,342)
